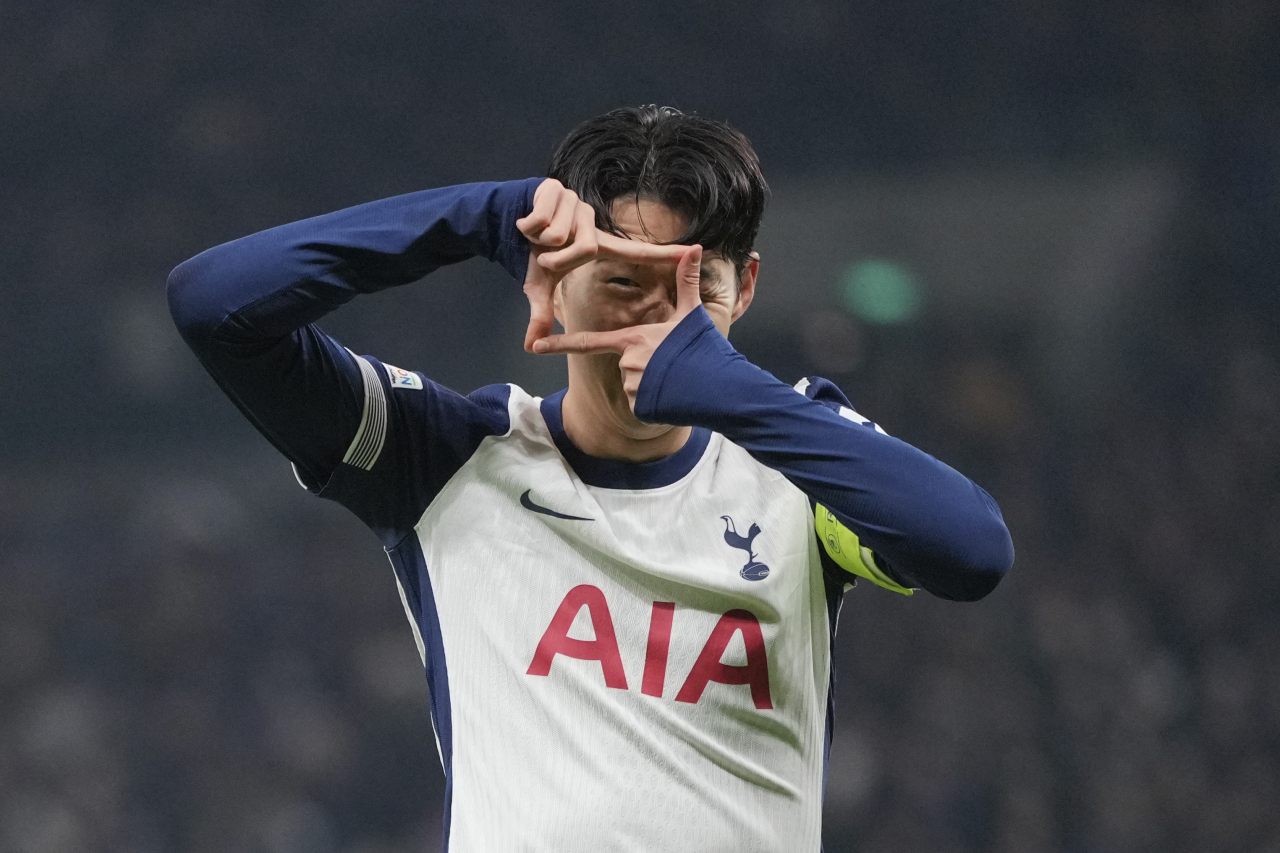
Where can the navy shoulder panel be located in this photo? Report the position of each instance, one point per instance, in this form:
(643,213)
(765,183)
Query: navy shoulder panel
(492,402)
(414,435)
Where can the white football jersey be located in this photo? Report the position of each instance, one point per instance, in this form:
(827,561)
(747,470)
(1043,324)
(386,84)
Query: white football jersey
(621,656)
(625,669)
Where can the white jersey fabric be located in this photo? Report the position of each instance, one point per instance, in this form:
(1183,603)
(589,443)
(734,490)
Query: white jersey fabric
(556,752)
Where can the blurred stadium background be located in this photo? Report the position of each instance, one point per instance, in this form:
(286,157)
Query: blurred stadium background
(1038,239)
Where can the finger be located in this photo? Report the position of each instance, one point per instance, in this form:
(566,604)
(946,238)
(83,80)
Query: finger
(541,324)
(545,198)
(562,221)
(638,251)
(631,386)
(636,358)
(582,249)
(538,287)
(585,342)
(606,245)
(688,275)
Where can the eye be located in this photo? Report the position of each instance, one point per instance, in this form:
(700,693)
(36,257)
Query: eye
(624,282)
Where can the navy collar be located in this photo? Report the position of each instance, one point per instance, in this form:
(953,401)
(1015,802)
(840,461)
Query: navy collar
(619,473)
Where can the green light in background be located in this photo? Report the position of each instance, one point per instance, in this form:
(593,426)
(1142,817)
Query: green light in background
(881,292)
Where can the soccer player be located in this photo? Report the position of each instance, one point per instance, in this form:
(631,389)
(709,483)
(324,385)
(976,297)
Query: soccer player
(624,594)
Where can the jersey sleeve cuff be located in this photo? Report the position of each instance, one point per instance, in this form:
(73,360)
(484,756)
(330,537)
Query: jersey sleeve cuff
(513,250)
(688,333)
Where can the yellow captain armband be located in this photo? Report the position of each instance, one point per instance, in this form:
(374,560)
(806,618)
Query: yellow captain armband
(843,546)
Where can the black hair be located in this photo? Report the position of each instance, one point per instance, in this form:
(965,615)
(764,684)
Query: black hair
(702,169)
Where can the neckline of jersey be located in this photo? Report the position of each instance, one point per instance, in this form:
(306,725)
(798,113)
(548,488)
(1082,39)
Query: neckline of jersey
(619,473)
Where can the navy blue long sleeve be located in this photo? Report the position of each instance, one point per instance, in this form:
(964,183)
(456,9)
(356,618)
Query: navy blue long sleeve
(247,307)
(934,527)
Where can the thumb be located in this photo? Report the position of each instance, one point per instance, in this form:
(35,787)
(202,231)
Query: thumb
(688,276)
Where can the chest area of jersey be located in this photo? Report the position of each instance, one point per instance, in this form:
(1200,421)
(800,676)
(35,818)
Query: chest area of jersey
(711,578)
(729,528)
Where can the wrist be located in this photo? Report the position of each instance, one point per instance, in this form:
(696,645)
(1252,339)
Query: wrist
(697,346)
(514,201)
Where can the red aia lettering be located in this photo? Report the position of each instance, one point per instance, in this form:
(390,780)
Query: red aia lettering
(604,648)
(709,668)
(655,654)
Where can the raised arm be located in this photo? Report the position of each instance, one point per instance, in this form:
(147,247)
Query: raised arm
(379,440)
(928,525)
(247,307)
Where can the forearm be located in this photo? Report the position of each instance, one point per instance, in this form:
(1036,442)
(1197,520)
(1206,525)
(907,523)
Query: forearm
(264,286)
(933,526)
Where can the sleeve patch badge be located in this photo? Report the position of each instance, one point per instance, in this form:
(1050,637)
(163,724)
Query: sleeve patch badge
(403,378)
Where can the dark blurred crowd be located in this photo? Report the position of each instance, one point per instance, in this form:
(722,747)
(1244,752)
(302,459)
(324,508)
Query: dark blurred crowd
(1121,691)
(196,656)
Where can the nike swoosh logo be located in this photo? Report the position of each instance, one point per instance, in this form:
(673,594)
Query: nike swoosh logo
(530,505)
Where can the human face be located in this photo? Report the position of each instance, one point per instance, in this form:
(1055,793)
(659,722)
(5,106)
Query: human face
(604,295)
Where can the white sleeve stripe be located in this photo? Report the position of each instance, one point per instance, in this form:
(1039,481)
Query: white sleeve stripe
(845,412)
(372,432)
(849,414)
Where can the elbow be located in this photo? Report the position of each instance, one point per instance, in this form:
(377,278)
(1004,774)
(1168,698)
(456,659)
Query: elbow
(987,554)
(192,303)
(984,563)
(968,564)
(976,568)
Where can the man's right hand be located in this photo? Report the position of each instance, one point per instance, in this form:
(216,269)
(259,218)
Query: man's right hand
(562,234)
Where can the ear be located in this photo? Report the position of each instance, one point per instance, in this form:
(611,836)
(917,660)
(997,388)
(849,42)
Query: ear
(746,287)
(557,303)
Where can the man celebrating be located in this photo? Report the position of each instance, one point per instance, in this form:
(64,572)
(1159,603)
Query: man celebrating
(623,594)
